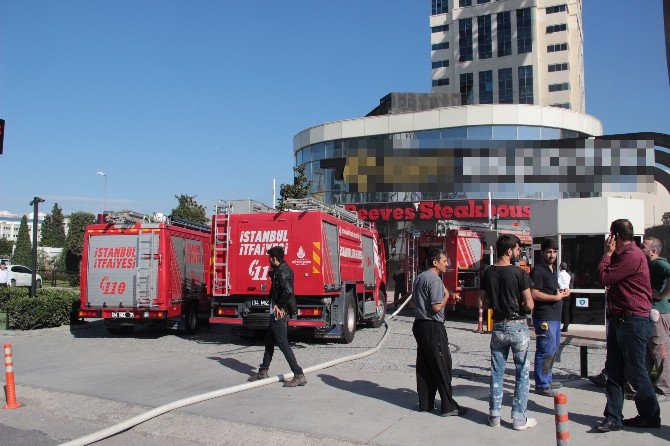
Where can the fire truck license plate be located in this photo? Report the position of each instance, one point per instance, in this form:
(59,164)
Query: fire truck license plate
(122,314)
(260,302)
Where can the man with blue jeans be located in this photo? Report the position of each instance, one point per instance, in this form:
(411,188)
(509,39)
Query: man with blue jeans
(506,290)
(546,317)
(624,270)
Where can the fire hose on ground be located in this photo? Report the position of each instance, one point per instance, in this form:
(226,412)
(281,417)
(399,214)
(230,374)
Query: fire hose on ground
(160,410)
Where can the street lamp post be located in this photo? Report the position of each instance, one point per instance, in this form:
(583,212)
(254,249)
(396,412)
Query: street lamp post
(35,204)
(103,174)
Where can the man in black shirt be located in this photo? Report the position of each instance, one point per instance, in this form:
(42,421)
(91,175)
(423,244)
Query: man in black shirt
(506,289)
(547,317)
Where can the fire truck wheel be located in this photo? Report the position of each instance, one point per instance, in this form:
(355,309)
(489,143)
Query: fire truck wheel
(121,330)
(349,326)
(378,320)
(191,322)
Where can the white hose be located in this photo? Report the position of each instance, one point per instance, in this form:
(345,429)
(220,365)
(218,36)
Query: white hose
(160,410)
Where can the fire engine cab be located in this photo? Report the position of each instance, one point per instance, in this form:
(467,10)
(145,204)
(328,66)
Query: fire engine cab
(338,261)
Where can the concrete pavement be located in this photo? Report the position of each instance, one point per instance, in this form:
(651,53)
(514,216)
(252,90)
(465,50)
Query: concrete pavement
(77,381)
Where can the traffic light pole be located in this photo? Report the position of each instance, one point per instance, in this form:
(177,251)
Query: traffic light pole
(33,287)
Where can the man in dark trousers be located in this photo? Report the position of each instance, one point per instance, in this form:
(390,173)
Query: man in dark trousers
(506,289)
(659,343)
(282,302)
(548,297)
(624,270)
(433,359)
(400,286)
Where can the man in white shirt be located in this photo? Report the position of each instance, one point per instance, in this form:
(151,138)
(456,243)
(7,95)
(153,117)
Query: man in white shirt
(564,284)
(4,276)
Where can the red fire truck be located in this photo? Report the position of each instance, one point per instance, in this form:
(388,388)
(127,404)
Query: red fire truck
(141,271)
(467,256)
(338,261)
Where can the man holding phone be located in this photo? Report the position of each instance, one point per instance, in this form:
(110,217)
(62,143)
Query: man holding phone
(624,270)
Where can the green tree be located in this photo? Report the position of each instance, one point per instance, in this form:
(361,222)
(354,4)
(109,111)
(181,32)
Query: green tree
(189,209)
(665,219)
(53,228)
(299,189)
(6,248)
(23,254)
(74,242)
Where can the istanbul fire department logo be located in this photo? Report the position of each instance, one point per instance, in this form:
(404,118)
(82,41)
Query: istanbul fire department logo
(301,253)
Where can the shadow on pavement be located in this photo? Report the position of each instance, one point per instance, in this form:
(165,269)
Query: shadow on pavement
(405,398)
(234,364)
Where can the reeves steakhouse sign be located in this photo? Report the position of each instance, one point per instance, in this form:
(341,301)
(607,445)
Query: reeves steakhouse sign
(441,210)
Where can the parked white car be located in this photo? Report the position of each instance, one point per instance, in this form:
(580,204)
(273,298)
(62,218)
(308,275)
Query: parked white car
(20,275)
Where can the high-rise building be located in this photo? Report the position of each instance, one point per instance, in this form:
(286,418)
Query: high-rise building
(509,51)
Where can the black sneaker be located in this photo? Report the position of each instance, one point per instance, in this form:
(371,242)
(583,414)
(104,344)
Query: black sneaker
(607,426)
(461,411)
(599,380)
(641,422)
(546,391)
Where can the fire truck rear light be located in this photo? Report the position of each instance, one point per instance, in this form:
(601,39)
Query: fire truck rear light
(88,313)
(158,314)
(310,312)
(226,311)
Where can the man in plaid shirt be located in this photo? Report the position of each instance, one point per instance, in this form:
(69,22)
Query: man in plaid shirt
(624,270)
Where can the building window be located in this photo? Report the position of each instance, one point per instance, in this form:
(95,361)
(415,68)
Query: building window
(558,67)
(466,89)
(484,36)
(557,47)
(464,3)
(526,84)
(565,86)
(556,28)
(440,82)
(440,46)
(481,2)
(565,105)
(504,34)
(486,87)
(440,6)
(524,37)
(465,39)
(555,9)
(439,29)
(440,64)
(505,86)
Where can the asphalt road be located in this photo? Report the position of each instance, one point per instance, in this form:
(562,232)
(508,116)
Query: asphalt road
(77,380)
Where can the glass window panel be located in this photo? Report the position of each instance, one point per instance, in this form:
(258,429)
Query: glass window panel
(318,151)
(550,133)
(454,133)
(298,157)
(529,132)
(480,132)
(504,33)
(504,132)
(330,149)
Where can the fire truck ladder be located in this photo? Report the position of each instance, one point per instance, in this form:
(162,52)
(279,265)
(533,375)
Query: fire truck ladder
(221,245)
(310,204)
(412,261)
(144,283)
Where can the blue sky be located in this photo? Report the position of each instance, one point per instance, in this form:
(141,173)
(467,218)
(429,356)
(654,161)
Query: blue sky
(204,97)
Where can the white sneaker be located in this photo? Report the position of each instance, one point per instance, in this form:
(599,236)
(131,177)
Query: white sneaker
(530,422)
